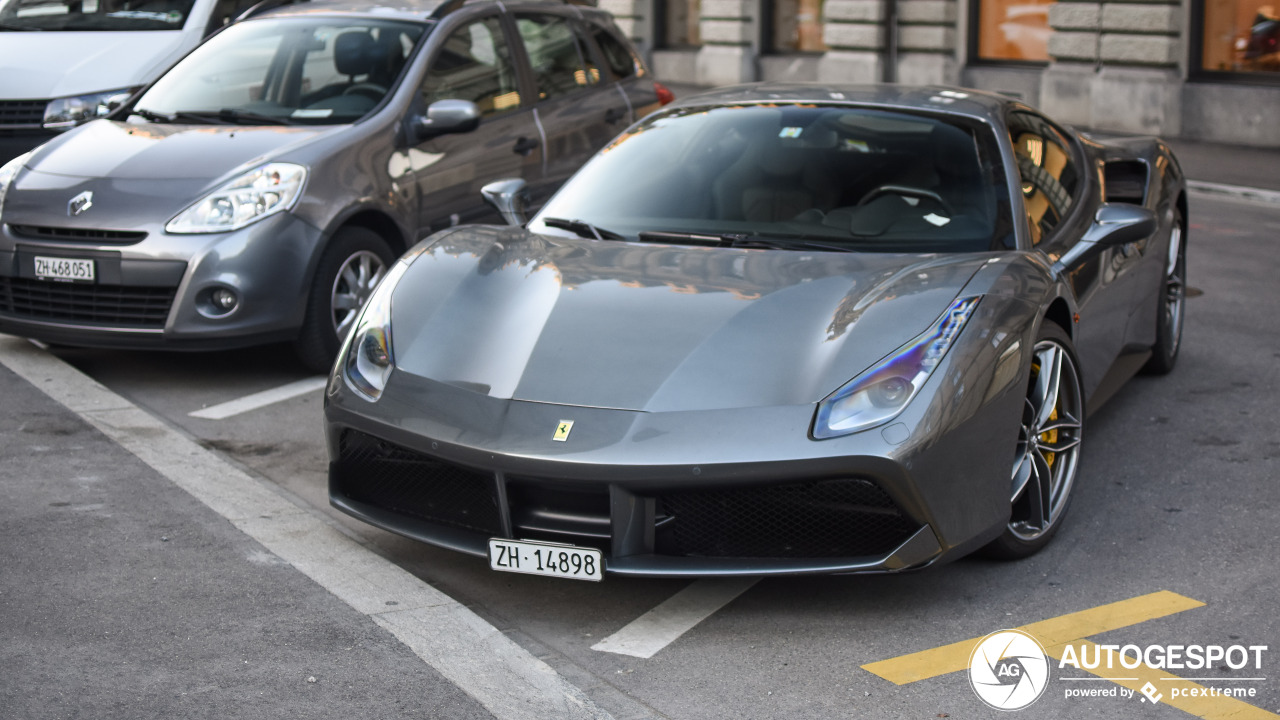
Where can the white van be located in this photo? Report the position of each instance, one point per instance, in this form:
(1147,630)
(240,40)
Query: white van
(61,61)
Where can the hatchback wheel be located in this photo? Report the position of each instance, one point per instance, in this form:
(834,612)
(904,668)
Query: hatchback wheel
(349,269)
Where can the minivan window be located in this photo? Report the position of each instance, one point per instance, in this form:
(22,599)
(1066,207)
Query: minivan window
(80,15)
(287,70)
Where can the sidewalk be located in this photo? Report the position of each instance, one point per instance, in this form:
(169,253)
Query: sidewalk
(1218,163)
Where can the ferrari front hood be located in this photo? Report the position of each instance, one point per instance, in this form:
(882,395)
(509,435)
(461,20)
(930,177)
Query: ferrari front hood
(658,328)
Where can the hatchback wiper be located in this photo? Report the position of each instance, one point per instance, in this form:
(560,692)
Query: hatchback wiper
(582,228)
(227,116)
(151,115)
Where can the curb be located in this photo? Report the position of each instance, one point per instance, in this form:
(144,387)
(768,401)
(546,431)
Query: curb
(1270,197)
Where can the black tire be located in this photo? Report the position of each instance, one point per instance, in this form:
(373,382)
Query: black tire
(1172,303)
(1048,451)
(353,262)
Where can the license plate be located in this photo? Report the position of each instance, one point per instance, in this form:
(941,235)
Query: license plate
(535,558)
(75,270)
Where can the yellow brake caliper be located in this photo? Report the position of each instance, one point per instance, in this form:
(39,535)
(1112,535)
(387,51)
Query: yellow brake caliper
(1048,437)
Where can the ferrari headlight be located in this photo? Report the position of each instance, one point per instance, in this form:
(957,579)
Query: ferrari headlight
(64,113)
(366,360)
(247,199)
(8,172)
(879,394)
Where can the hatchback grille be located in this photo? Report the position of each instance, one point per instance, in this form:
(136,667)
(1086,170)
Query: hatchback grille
(113,237)
(830,518)
(408,482)
(23,113)
(121,306)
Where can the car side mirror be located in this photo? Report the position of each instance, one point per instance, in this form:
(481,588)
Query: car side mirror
(1120,223)
(447,116)
(510,197)
(1113,225)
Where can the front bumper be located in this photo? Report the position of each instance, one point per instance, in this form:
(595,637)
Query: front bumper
(734,492)
(152,289)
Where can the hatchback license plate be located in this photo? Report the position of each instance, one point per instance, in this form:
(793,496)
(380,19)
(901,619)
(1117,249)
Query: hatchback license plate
(75,270)
(535,558)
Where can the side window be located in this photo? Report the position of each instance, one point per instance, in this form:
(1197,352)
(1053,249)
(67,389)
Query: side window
(1048,173)
(620,60)
(559,60)
(475,64)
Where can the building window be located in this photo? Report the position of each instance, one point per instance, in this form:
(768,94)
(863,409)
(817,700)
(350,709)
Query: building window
(797,26)
(1013,30)
(1241,36)
(682,18)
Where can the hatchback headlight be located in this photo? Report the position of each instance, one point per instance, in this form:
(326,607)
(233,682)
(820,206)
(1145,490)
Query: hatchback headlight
(64,113)
(8,172)
(366,360)
(257,194)
(881,393)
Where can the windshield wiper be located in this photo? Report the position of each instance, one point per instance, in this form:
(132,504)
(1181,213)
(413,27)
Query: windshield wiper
(739,240)
(582,228)
(151,115)
(227,116)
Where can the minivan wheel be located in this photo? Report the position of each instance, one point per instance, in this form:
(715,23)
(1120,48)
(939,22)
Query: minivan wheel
(350,268)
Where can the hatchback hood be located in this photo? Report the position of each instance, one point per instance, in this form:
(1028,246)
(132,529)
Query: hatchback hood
(655,327)
(43,65)
(139,173)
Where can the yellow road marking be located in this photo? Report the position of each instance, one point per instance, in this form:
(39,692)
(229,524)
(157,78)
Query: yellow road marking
(1209,708)
(1052,632)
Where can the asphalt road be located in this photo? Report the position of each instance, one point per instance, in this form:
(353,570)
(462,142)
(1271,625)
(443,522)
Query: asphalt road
(1177,492)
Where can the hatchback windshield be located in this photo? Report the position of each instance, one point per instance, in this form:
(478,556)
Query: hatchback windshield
(286,71)
(94,14)
(838,176)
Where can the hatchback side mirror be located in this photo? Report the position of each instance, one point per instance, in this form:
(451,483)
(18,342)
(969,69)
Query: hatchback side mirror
(447,116)
(510,197)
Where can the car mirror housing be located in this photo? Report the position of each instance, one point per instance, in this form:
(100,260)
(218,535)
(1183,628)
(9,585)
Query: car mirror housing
(447,116)
(1120,223)
(510,197)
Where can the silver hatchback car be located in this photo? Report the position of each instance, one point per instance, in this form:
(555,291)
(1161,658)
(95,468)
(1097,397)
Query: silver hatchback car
(258,190)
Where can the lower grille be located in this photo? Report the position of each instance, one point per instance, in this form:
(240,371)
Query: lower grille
(107,305)
(404,481)
(22,113)
(830,518)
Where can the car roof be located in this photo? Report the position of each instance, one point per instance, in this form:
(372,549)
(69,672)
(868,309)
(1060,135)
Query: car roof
(935,98)
(419,10)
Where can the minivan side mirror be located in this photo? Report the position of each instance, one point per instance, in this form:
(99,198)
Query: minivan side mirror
(510,197)
(447,116)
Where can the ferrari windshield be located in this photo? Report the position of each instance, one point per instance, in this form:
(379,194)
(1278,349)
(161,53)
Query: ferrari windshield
(94,14)
(823,177)
(309,70)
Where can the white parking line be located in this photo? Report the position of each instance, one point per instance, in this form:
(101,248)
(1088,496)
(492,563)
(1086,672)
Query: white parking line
(658,628)
(477,657)
(222,411)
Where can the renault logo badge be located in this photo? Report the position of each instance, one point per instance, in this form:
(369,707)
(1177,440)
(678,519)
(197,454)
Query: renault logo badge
(80,203)
(562,431)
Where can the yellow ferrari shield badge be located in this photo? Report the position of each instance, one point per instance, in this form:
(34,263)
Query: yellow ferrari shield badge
(562,431)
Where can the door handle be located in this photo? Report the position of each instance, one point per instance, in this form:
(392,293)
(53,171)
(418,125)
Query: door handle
(613,115)
(525,145)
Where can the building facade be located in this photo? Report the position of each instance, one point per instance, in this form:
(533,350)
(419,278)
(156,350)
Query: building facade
(1195,69)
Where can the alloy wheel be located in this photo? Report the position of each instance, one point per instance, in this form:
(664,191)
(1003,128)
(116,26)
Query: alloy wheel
(355,282)
(1048,442)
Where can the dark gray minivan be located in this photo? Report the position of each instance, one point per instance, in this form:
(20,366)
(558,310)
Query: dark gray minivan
(259,189)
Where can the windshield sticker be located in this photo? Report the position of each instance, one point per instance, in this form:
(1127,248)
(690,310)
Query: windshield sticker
(312,113)
(790,132)
(169,17)
(937,219)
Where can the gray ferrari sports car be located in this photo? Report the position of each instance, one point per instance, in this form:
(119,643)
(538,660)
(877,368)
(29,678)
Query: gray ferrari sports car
(772,329)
